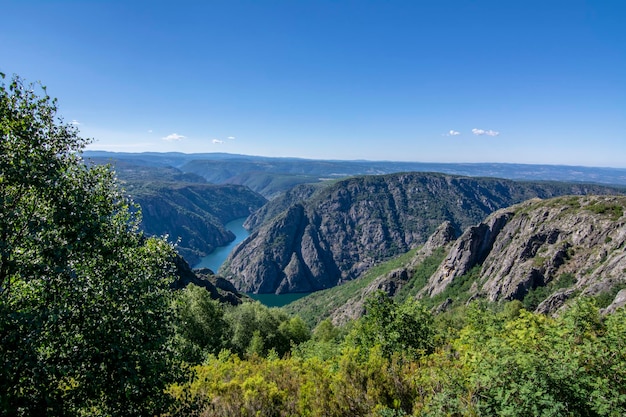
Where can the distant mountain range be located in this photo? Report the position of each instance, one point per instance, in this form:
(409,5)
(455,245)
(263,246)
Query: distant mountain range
(271,176)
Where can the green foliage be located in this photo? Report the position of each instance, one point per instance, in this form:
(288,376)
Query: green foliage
(84,298)
(255,328)
(604,299)
(535,296)
(395,328)
(319,305)
(508,362)
(614,210)
(420,274)
(200,325)
(457,291)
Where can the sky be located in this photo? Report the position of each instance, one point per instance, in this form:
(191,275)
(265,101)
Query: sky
(514,81)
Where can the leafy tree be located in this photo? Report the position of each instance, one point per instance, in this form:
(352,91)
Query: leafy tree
(406,327)
(256,328)
(326,331)
(84,297)
(200,325)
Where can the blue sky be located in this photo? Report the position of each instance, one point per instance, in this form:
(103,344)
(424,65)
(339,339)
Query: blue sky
(518,81)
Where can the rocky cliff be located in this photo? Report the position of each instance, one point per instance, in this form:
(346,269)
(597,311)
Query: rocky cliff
(569,246)
(544,253)
(347,227)
(278,205)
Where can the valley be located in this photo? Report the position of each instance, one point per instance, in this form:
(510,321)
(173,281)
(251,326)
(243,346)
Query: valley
(316,234)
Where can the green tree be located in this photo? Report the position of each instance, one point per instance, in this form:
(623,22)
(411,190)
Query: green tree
(84,297)
(533,365)
(201,329)
(406,327)
(256,328)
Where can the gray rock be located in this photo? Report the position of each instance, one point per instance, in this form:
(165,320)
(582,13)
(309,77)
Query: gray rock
(535,243)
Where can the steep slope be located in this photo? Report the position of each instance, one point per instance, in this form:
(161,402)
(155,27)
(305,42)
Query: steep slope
(399,277)
(181,205)
(552,250)
(275,207)
(349,226)
(193,214)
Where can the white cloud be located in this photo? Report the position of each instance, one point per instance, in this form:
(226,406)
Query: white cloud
(231,137)
(173,137)
(480,132)
(217,141)
(75,122)
(453,133)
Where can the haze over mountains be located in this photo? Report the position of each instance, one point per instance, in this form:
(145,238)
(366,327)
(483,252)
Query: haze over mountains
(271,176)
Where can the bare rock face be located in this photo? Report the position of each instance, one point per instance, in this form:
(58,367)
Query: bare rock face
(469,250)
(444,235)
(537,243)
(343,229)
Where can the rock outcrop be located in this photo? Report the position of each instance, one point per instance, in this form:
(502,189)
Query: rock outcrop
(393,281)
(574,244)
(218,288)
(346,228)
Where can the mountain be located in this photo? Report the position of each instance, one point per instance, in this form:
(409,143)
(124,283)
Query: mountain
(350,225)
(567,246)
(271,185)
(270,176)
(543,253)
(281,203)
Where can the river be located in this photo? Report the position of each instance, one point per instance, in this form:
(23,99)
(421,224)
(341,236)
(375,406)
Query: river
(215,259)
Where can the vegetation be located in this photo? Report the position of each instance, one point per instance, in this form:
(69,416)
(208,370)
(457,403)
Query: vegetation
(90,326)
(536,295)
(511,363)
(84,297)
(614,210)
(319,305)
